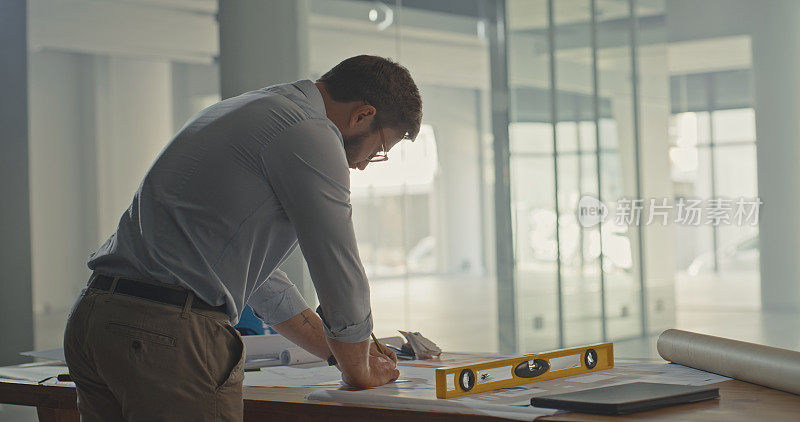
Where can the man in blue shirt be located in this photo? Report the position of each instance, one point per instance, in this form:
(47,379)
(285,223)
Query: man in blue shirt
(239,187)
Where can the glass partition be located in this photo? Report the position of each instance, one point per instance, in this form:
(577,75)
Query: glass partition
(420,217)
(587,104)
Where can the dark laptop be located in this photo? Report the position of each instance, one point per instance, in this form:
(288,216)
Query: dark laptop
(626,398)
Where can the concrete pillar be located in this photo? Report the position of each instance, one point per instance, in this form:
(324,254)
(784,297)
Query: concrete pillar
(776,60)
(16,312)
(128,92)
(654,168)
(263,43)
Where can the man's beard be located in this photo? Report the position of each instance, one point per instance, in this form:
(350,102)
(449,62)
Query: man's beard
(352,145)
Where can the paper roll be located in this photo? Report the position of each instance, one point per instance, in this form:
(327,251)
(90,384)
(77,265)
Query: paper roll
(266,346)
(297,356)
(763,365)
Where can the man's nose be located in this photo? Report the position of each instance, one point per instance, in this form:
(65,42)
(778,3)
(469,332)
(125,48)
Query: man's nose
(362,165)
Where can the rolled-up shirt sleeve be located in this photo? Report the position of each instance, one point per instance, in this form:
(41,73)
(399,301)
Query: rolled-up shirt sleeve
(307,169)
(277,299)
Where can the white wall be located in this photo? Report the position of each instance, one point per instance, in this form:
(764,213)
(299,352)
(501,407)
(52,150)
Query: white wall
(63,207)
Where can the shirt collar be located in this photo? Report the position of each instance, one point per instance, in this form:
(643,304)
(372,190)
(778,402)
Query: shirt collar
(312,93)
(310,90)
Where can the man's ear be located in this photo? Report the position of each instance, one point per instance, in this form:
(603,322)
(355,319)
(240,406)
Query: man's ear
(362,115)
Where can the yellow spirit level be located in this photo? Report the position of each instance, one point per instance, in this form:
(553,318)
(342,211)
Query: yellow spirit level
(455,381)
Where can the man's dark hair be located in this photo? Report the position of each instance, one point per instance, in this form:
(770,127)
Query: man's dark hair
(382,83)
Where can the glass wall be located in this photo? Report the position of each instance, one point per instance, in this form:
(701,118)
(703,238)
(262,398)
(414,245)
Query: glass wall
(577,134)
(619,172)
(532,176)
(713,155)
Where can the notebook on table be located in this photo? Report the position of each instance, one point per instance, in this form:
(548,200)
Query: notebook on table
(626,398)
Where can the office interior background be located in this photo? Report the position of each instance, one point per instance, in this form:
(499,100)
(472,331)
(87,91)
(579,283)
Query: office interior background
(471,234)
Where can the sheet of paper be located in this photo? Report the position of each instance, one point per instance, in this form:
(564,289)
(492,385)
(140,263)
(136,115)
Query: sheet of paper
(49,354)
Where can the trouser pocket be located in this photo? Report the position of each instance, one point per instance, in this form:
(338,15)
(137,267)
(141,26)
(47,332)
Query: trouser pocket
(137,333)
(227,356)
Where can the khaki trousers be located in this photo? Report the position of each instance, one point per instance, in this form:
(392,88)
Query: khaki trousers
(134,359)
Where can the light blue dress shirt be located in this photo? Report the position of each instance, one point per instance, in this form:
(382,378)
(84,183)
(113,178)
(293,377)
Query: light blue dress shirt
(232,195)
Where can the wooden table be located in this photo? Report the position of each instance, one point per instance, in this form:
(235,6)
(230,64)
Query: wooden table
(57,403)
(739,401)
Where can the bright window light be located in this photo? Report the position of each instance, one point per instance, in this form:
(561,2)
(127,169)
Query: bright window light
(411,168)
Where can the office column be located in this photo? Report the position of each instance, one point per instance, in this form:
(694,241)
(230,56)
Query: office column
(125,148)
(776,60)
(263,43)
(658,240)
(16,304)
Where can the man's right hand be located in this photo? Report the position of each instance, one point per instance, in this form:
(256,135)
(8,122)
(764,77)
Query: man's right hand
(359,367)
(382,370)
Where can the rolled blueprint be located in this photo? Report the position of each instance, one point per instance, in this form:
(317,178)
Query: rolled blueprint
(297,356)
(266,346)
(763,365)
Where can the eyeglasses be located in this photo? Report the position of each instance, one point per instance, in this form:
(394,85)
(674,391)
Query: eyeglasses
(380,156)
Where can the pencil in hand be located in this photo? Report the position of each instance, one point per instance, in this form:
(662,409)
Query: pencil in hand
(378,345)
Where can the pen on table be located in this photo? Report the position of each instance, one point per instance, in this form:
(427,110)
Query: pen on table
(59,377)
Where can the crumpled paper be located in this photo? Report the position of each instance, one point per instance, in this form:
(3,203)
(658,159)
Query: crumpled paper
(422,347)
